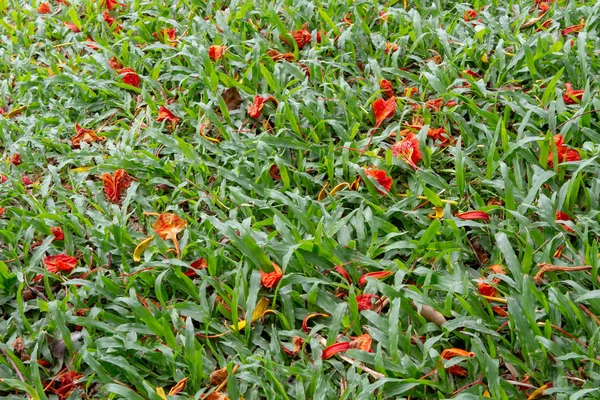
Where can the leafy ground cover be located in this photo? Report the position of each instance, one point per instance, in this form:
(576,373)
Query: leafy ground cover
(299,199)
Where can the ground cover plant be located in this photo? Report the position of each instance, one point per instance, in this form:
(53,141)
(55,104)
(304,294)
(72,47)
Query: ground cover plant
(299,199)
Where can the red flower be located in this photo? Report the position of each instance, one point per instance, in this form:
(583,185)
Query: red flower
(410,92)
(111,21)
(215,52)
(408,150)
(334,349)
(44,8)
(165,115)
(470,15)
(254,109)
(572,96)
(381,177)
(114,185)
(486,289)
(561,216)
(383,109)
(196,266)
(302,37)
(274,172)
(573,28)
(72,27)
(15,159)
(26,180)
(451,353)
(167,34)
(563,153)
(441,135)
(58,233)
(390,48)
(110,4)
(474,216)
(60,262)
(364,301)
(386,87)
(271,279)
(434,105)
(3,179)
(2,210)
(115,64)
(374,275)
(130,77)
(277,56)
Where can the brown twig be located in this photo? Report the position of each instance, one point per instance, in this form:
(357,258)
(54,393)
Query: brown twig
(222,385)
(545,267)
(468,385)
(564,333)
(589,313)
(15,368)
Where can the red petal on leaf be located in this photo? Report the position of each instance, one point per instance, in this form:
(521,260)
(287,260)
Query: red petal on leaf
(308,317)
(383,109)
(342,271)
(195,266)
(381,177)
(274,172)
(573,28)
(474,216)
(434,105)
(500,311)
(58,233)
(374,275)
(215,52)
(362,342)
(469,15)
(298,342)
(572,96)
(44,8)
(486,289)
(255,109)
(72,27)
(334,349)
(15,159)
(115,64)
(302,37)
(271,279)
(165,115)
(410,92)
(364,301)
(457,370)
(111,21)
(115,184)
(561,216)
(386,87)
(408,150)
(130,77)
(454,352)
(60,262)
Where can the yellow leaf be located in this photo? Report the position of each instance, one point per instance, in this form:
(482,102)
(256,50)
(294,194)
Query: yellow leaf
(179,387)
(139,250)
(81,169)
(259,311)
(339,188)
(16,112)
(160,391)
(437,214)
(486,393)
(323,192)
(538,392)
(484,58)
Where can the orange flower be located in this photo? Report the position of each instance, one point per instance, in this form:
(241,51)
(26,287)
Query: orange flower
(470,15)
(374,275)
(563,153)
(455,369)
(2,210)
(130,77)
(254,109)
(111,21)
(44,8)
(271,279)
(334,349)
(60,263)
(498,269)
(410,92)
(277,56)
(165,115)
(474,216)
(573,28)
(386,87)
(167,226)
(561,216)
(381,177)
(215,52)
(408,150)
(383,109)
(302,37)
(390,48)
(297,342)
(441,135)
(166,34)
(72,26)
(58,233)
(572,96)
(434,105)
(115,64)
(110,4)
(364,301)
(15,159)
(115,184)
(362,342)
(486,289)
(85,135)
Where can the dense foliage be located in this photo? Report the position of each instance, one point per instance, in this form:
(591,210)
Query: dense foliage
(299,199)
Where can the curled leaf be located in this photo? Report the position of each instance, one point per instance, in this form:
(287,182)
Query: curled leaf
(308,317)
(141,247)
(323,192)
(178,387)
(339,188)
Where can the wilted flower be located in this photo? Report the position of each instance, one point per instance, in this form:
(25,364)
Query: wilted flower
(381,177)
(44,8)
(60,263)
(130,77)
(390,48)
(255,109)
(274,172)
(271,279)
(410,92)
(115,184)
(364,301)
(408,150)
(115,64)
(111,21)
(563,153)
(572,96)
(332,350)
(474,216)
(451,353)
(573,28)
(72,26)
(165,115)
(302,37)
(58,233)
(15,159)
(561,216)
(277,56)
(383,109)
(386,87)
(85,135)
(375,275)
(469,15)
(434,105)
(362,342)
(166,34)
(215,52)
(167,226)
